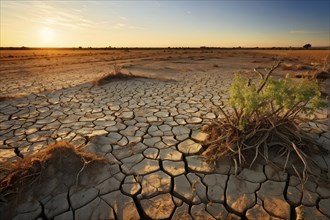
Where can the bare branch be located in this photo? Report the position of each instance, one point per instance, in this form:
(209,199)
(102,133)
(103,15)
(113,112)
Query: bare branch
(260,74)
(274,67)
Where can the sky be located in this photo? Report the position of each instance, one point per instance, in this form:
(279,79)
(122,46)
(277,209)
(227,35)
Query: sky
(259,23)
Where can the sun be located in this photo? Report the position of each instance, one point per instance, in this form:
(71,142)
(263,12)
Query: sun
(47,34)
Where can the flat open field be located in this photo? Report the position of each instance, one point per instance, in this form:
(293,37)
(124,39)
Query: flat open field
(32,71)
(149,129)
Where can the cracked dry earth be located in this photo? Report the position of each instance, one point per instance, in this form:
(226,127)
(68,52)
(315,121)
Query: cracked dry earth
(149,131)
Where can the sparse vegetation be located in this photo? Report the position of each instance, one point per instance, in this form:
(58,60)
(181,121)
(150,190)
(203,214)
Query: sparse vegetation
(115,74)
(265,114)
(307,46)
(10,97)
(64,156)
(295,67)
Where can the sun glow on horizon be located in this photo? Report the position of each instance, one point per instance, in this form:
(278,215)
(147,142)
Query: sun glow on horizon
(47,34)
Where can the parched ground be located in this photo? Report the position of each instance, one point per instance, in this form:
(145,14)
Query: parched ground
(148,129)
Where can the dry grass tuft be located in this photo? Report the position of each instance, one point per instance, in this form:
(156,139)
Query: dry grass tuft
(28,170)
(295,67)
(323,72)
(116,74)
(10,97)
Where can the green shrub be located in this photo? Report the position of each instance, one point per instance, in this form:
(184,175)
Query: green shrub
(265,114)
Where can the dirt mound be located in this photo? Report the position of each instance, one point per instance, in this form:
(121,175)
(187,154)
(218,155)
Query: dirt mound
(54,170)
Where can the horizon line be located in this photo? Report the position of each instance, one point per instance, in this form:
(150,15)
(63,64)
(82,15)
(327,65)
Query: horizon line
(169,47)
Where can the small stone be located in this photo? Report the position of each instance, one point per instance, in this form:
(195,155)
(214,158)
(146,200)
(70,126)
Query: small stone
(158,207)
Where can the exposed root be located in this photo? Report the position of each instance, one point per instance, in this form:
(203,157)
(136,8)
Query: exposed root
(225,139)
(85,163)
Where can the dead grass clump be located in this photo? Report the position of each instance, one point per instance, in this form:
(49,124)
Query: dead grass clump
(265,115)
(10,97)
(323,73)
(63,156)
(116,74)
(295,67)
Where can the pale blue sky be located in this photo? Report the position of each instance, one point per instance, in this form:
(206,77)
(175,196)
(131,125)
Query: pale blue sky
(164,23)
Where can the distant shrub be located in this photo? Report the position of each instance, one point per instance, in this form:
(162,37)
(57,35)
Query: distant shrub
(307,46)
